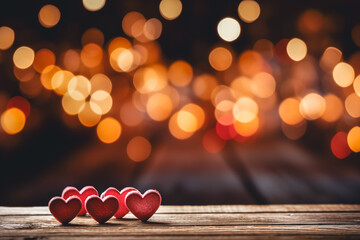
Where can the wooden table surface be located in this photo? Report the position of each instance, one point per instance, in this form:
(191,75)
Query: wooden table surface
(194,222)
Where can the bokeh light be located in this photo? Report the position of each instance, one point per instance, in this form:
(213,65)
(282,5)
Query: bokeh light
(245,110)
(43,58)
(170,9)
(352,105)
(93,5)
(229,29)
(330,58)
(334,108)
(220,58)
(312,106)
(247,129)
(263,85)
(7,37)
(339,145)
(91,55)
(343,74)
(180,73)
(79,87)
(23,57)
(203,86)
(356,85)
(87,116)
(108,130)
(12,121)
(47,74)
(249,10)
(353,139)
(296,49)
(49,16)
(138,149)
(175,129)
(159,106)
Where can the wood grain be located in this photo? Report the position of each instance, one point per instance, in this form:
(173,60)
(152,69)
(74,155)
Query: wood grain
(194,222)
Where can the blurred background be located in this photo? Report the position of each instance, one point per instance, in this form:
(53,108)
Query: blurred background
(209,102)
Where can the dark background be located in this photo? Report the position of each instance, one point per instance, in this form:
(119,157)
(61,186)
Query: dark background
(44,160)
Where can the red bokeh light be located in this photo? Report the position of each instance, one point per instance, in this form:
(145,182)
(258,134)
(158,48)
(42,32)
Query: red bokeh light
(339,145)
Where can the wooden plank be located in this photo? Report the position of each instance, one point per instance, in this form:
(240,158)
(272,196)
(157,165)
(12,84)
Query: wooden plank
(120,231)
(194,222)
(212,209)
(195,219)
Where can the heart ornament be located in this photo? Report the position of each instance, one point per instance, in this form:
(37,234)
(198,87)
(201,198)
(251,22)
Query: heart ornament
(143,206)
(83,194)
(101,209)
(65,210)
(123,210)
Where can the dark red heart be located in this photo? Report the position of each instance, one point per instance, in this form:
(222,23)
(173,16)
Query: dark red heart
(120,196)
(143,206)
(65,210)
(83,194)
(101,209)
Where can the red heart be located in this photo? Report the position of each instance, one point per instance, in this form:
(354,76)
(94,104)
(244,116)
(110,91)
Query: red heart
(123,210)
(83,194)
(101,209)
(65,210)
(143,206)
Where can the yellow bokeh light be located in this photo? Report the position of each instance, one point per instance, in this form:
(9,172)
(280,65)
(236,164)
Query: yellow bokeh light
(101,102)
(180,73)
(108,130)
(12,120)
(352,105)
(79,87)
(263,85)
(343,74)
(249,10)
(203,85)
(72,106)
(49,16)
(220,58)
(93,5)
(125,60)
(356,85)
(91,55)
(159,106)
(289,111)
(138,149)
(245,110)
(88,117)
(353,139)
(118,42)
(186,121)
(150,79)
(47,75)
(312,106)
(175,129)
(60,80)
(229,29)
(23,57)
(296,49)
(197,112)
(334,108)
(7,37)
(170,9)
(247,129)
